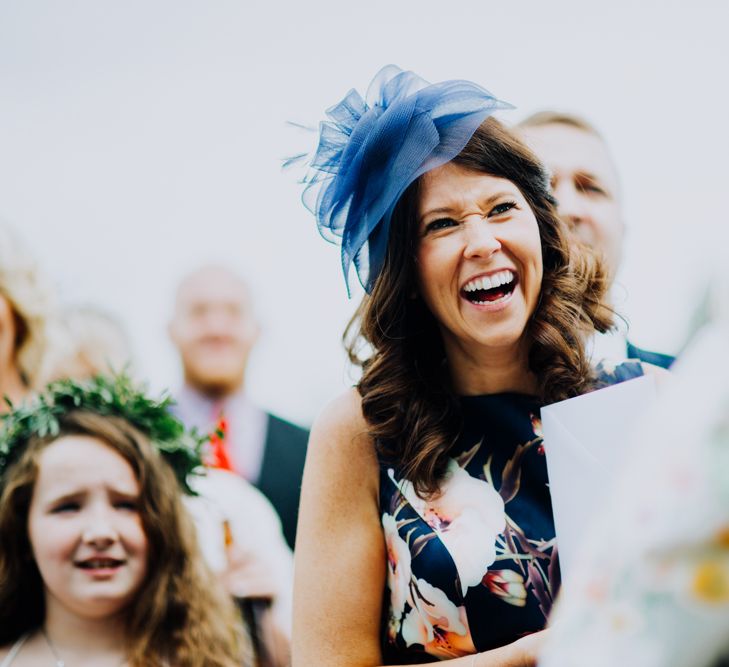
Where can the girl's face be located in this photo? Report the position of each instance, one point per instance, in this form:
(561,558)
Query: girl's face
(479,257)
(85,527)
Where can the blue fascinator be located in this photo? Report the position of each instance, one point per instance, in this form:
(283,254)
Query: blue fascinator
(370,150)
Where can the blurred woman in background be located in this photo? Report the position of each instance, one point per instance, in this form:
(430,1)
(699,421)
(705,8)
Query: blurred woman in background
(24,310)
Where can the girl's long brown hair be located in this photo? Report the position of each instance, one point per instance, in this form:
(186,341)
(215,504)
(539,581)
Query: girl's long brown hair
(180,616)
(407,397)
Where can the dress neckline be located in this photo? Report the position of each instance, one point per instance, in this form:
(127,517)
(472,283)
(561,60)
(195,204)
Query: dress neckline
(500,394)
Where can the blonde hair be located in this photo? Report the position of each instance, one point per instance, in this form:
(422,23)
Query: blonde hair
(89,341)
(23,285)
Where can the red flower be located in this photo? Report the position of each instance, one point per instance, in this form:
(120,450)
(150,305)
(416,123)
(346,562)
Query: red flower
(218,455)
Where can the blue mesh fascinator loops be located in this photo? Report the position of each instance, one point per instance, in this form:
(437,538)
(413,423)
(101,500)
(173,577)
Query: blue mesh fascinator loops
(371,150)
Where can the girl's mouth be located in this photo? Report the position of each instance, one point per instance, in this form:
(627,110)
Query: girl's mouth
(100,564)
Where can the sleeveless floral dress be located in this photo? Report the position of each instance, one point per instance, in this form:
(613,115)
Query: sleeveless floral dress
(476,567)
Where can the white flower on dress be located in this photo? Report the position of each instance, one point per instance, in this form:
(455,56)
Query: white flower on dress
(467,516)
(398,570)
(437,624)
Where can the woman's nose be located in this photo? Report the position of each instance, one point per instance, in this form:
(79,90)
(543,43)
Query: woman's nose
(480,239)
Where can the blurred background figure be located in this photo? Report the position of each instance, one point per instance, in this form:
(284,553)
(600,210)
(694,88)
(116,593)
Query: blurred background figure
(214,330)
(89,341)
(24,310)
(587,188)
(241,539)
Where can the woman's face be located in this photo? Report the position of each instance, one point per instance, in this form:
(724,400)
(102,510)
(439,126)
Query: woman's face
(85,528)
(479,258)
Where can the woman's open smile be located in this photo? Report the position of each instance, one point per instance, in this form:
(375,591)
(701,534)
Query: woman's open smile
(479,257)
(491,291)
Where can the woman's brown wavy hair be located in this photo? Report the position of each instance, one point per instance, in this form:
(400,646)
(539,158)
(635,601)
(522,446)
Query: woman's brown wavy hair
(407,396)
(180,616)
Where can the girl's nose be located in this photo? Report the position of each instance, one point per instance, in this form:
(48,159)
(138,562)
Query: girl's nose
(99,530)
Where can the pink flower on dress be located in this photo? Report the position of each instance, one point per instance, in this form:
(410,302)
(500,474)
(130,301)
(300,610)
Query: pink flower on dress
(467,516)
(399,573)
(537,425)
(508,585)
(437,624)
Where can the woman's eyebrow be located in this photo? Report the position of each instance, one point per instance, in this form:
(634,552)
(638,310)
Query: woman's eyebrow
(449,209)
(436,211)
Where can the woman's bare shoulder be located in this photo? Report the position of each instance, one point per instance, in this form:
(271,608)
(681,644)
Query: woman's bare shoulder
(340,441)
(343,412)
(341,420)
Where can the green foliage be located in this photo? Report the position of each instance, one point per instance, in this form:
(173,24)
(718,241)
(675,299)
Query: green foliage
(113,395)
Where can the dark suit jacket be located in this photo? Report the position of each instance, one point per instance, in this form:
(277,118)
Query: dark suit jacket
(282,469)
(655,358)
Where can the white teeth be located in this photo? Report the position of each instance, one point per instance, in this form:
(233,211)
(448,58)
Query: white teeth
(489,282)
(491,303)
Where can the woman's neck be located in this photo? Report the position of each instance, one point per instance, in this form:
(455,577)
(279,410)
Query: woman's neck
(73,635)
(476,372)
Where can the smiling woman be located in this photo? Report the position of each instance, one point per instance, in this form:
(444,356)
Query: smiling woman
(480,268)
(477,308)
(98,559)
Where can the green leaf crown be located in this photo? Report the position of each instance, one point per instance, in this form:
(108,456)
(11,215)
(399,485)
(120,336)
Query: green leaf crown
(112,395)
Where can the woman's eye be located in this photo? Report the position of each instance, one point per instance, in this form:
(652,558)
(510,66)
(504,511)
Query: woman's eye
(441,223)
(502,208)
(65,507)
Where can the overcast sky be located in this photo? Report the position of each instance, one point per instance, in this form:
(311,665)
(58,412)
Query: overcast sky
(139,139)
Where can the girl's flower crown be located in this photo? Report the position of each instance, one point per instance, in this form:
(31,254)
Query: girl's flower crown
(113,395)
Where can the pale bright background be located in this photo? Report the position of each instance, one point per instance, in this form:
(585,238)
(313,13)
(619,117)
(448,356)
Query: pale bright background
(141,138)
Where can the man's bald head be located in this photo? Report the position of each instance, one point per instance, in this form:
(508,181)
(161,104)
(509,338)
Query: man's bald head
(213,329)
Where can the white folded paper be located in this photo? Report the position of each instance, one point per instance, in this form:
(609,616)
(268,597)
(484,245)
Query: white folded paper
(585,442)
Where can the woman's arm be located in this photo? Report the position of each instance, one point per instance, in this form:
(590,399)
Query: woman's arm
(340,561)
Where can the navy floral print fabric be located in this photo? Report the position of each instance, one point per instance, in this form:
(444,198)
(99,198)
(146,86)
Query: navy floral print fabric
(476,567)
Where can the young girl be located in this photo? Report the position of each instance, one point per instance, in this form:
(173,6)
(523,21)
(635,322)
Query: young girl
(98,560)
